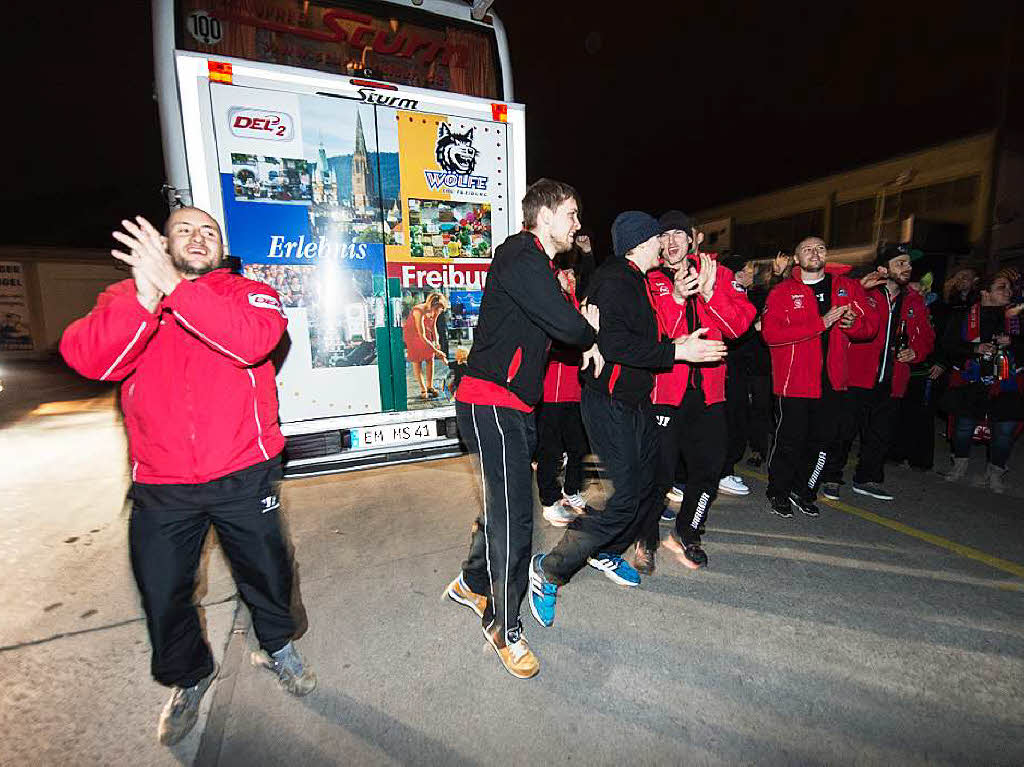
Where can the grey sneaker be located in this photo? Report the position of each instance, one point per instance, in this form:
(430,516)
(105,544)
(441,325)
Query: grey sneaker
(286,664)
(872,489)
(957,471)
(181,711)
(995,476)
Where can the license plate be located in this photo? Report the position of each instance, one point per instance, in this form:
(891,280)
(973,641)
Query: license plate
(368,437)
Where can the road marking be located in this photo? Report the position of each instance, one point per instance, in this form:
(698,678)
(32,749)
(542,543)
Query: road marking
(936,540)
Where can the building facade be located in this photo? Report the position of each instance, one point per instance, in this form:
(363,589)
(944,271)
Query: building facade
(964,198)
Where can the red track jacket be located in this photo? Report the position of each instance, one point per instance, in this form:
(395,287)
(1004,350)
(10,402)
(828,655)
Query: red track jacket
(791,326)
(727,315)
(562,374)
(865,356)
(198,391)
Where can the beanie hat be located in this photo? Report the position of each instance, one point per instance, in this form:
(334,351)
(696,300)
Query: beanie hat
(675,219)
(631,229)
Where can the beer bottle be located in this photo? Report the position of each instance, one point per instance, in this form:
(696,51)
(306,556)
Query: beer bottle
(902,339)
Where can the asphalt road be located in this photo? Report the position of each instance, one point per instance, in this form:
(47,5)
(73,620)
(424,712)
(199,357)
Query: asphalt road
(875,634)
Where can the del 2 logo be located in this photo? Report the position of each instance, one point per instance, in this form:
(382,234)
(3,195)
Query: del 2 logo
(259,123)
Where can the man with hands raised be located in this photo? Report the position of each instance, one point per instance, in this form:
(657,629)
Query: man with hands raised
(616,408)
(694,297)
(809,322)
(190,342)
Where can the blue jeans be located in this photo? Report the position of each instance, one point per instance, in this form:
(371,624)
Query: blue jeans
(999,447)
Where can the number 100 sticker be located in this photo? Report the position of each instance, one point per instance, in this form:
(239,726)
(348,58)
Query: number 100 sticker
(205,28)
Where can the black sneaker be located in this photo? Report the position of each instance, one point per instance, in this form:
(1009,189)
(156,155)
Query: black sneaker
(690,554)
(806,506)
(830,490)
(780,506)
(872,489)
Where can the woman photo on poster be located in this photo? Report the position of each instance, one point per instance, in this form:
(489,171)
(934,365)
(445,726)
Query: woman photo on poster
(421,343)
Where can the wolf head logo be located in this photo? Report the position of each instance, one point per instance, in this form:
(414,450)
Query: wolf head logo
(455,151)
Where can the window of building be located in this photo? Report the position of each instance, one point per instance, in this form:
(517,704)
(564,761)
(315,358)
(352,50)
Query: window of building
(782,232)
(853,223)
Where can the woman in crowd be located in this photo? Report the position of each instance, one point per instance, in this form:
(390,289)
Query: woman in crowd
(986,377)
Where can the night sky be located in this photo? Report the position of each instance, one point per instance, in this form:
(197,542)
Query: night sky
(685,104)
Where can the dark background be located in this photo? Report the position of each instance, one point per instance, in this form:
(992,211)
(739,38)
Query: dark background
(646,105)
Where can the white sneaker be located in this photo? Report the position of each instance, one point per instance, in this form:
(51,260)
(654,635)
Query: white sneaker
(733,485)
(675,494)
(558,514)
(576,500)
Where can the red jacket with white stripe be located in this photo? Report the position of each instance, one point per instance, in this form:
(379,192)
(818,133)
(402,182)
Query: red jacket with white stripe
(865,356)
(198,390)
(792,327)
(727,315)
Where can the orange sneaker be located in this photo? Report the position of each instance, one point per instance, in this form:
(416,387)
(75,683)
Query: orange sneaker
(517,658)
(458,591)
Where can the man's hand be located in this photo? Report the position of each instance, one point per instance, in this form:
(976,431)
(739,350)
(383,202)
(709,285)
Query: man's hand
(1002,339)
(907,355)
(685,284)
(593,356)
(583,241)
(833,315)
(935,371)
(695,348)
(849,318)
(874,279)
(147,255)
(780,263)
(985,349)
(563,279)
(707,276)
(744,278)
(592,315)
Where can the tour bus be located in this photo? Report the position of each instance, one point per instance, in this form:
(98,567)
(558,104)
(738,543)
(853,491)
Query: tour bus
(364,159)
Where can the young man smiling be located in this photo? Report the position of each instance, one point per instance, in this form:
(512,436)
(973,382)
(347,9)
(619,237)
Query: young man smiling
(521,311)
(616,407)
(809,321)
(190,342)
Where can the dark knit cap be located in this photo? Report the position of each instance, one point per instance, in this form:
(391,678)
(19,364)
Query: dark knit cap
(675,219)
(632,228)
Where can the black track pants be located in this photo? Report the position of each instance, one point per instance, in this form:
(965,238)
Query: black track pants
(168,526)
(625,439)
(873,414)
(498,564)
(805,431)
(697,432)
(559,430)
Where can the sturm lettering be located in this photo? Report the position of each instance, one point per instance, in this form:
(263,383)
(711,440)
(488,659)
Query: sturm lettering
(372,97)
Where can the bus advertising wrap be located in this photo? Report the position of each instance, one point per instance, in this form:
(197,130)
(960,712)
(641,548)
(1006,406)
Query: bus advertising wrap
(376,226)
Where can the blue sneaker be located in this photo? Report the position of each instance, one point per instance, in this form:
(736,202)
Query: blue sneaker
(542,593)
(615,568)
(668,514)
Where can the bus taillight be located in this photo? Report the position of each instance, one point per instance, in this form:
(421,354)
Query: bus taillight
(220,71)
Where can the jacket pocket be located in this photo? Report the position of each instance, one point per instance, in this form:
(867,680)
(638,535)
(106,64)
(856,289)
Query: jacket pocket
(515,364)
